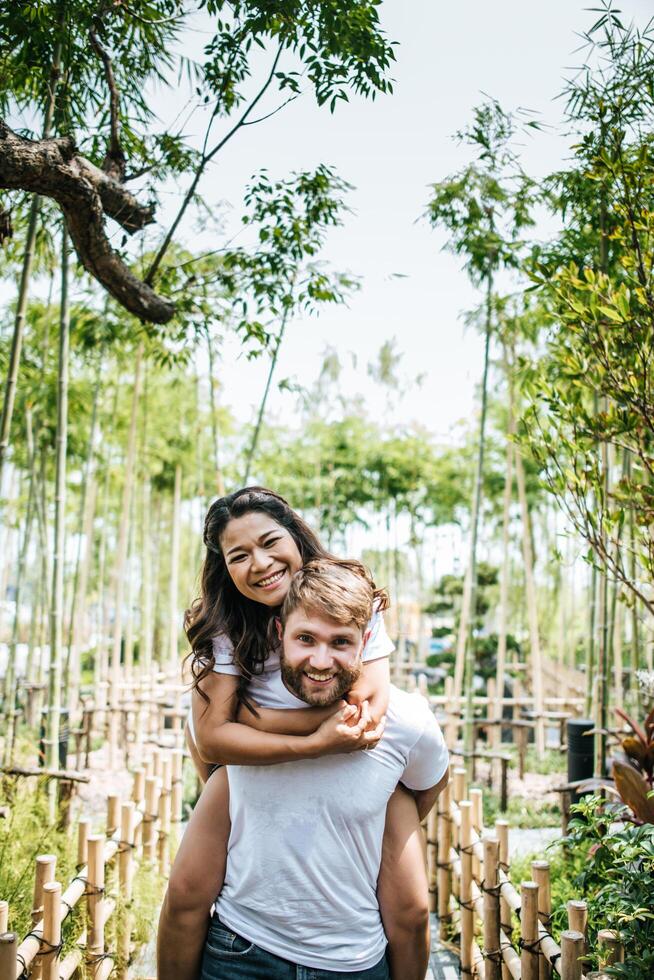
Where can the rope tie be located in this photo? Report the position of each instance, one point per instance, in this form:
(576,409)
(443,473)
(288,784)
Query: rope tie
(443,865)
(491,889)
(149,817)
(91,890)
(125,845)
(92,959)
(503,866)
(494,955)
(24,972)
(469,906)
(533,947)
(554,958)
(468,849)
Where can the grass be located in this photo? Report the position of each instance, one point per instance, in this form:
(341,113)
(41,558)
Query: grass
(524,813)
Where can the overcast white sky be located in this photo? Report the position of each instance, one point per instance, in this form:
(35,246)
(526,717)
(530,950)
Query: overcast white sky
(391,149)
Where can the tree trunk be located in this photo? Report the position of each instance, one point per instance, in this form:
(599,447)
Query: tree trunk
(72,654)
(23,289)
(503,609)
(173,596)
(257,429)
(469,666)
(532,607)
(121,557)
(215,432)
(57,624)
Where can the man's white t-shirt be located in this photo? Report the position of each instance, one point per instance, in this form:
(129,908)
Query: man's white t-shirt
(306,837)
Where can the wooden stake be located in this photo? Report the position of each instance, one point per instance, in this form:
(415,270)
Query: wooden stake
(83,827)
(444,873)
(578,920)
(502,834)
(477,816)
(8,963)
(610,946)
(571,949)
(95,894)
(529,930)
(465,898)
(113,807)
(45,872)
(51,930)
(540,872)
(492,955)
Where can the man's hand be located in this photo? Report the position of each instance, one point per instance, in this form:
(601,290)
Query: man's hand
(348,729)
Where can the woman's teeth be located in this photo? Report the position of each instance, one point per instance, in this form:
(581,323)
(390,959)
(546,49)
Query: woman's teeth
(270,580)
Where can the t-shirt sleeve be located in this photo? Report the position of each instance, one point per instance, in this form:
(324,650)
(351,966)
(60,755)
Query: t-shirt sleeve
(223,653)
(428,759)
(379,643)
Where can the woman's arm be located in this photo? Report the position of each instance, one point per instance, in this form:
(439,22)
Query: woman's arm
(372,687)
(220,739)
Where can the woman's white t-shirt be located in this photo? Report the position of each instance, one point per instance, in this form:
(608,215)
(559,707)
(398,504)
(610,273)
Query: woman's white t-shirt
(268,689)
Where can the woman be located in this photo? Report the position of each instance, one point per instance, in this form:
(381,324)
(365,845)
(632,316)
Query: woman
(255,543)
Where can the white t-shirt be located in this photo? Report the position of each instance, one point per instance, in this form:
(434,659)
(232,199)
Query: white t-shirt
(268,689)
(306,837)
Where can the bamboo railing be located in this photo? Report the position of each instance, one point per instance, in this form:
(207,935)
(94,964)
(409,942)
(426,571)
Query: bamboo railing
(136,831)
(469,885)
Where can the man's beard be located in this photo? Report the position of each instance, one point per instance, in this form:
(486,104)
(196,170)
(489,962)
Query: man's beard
(343,680)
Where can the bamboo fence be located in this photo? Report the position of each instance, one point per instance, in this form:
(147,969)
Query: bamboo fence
(145,729)
(480,910)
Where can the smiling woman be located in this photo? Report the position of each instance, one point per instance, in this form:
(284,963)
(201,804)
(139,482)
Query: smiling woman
(261,556)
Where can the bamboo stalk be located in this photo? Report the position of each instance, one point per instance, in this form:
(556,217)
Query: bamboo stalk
(8,961)
(491,917)
(465,898)
(540,873)
(529,930)
(578,920)
(51,930)
(83,827)
(611,949)
(571,950)
(4,916)
(95,893)
(444,871)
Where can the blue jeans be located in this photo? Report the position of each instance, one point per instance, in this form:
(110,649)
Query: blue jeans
(227,956)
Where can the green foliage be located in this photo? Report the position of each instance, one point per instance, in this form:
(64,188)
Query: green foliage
(521,812)
(614,870)
(25,833)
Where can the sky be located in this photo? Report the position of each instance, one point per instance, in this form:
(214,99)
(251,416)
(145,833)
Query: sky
(449,57)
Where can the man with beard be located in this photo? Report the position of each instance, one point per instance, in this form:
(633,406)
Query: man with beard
(299,899)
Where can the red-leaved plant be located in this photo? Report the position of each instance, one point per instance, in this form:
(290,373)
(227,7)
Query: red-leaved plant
(634,774)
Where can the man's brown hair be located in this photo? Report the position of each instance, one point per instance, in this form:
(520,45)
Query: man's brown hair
(339,589)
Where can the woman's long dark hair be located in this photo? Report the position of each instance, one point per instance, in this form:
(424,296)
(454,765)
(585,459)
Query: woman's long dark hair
(221,608)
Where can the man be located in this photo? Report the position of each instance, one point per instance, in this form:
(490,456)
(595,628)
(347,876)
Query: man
(299,900)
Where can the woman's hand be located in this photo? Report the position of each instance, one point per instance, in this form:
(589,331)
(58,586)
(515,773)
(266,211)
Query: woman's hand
(348,729)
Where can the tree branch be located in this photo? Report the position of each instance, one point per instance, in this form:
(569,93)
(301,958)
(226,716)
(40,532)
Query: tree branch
(114,162)
(52,168)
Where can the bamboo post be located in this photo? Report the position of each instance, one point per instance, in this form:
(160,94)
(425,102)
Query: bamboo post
(164,816)
(458,793)
(178,785)
(94,898)
(540,873)
(578,920)
(4,916)
(465,896)
(138,792)
(444,871)
(571,949)
(149,835)
(113,806)
(126,877)
(45,872)
(477,816)
(529,930)
(432,854)
(8,963)
(51,930)
(492,954)
(83,826)
(451,713)
(502,834)
(611,949)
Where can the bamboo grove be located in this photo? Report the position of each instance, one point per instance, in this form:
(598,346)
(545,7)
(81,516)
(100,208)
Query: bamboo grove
(114,435)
